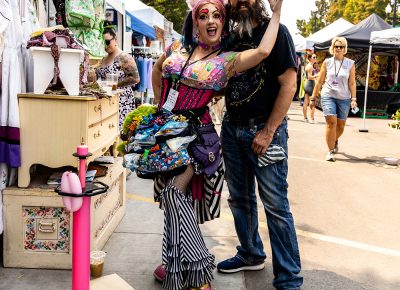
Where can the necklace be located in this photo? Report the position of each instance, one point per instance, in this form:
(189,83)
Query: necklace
(207,47)
(334,62)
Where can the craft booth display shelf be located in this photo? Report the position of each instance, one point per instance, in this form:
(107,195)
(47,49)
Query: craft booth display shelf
(38,229)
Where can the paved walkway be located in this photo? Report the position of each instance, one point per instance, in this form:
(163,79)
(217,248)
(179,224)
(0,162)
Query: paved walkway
(346,216)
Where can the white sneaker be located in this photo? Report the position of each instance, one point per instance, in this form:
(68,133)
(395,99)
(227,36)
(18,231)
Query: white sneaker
(312,121)
(306,120)
(336,149)
(330,156)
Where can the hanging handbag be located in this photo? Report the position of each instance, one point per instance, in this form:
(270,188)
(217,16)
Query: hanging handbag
(206,149)
(162,162)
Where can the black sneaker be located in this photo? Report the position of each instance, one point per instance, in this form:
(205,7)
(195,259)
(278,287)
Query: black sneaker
(234,265)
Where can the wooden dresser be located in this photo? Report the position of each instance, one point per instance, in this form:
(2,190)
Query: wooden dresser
(52,126)
(38,229)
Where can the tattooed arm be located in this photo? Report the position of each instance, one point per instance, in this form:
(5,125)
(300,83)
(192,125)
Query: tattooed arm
(128,65)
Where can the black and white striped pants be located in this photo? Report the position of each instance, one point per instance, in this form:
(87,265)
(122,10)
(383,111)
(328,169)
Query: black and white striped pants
(187,259)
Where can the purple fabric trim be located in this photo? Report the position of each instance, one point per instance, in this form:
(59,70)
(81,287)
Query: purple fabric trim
(9,132)
(10,154)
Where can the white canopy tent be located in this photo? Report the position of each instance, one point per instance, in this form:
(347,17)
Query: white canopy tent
(145,13)
(117,5)
(328,32)
(390,37)
(299,42)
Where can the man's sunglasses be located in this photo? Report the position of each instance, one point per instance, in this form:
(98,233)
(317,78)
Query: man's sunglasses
(108,41)
(339,46)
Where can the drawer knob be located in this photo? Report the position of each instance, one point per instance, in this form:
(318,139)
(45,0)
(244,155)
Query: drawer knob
(96,135)
(97,108)
(46,227)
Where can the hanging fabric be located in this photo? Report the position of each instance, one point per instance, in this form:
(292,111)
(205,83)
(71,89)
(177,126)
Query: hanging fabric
(85,19)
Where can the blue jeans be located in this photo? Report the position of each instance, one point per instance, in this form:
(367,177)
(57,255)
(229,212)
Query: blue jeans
(241,171)
(335,107)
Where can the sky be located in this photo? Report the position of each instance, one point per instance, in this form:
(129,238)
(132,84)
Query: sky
(293,10)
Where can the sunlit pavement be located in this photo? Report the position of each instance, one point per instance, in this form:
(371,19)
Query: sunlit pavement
(346,215)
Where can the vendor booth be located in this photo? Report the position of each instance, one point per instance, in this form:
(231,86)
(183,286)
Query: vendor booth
(139,33)
(328,32)
(42,126)
(383,65)
(115,13)
(140,27)
(391,39)
(151,17)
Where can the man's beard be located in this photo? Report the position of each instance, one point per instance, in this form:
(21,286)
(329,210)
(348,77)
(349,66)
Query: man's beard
(243,19)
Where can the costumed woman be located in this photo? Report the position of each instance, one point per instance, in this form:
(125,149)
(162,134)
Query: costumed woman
(122,64)
(185,78)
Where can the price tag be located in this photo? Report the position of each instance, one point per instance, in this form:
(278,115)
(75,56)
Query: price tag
(171,100)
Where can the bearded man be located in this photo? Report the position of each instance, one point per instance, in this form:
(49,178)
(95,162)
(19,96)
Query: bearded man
(254,141)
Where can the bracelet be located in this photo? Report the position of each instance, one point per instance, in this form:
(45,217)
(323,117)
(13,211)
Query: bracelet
(354,99)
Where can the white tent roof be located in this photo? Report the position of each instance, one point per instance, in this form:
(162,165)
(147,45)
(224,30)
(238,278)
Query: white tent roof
(387,36)
(145,13)
(299,41)
(117,5)
(328,32)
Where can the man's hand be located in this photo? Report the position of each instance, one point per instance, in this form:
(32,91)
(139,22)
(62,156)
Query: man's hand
(275,5)
(261,141)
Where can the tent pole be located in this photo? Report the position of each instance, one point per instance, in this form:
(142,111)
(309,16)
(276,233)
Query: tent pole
(363,129)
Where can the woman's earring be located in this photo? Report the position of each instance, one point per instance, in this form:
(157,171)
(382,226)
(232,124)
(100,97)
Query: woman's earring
(224,34)
(197,35)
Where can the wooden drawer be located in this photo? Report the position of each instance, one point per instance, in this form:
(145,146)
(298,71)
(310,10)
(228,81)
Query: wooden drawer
(102,109)
(38,230)
(100,133)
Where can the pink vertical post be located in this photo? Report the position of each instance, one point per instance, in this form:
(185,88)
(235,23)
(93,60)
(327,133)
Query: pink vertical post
(81,233)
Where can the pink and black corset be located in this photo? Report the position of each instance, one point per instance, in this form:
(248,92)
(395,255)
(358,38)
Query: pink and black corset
(188,98)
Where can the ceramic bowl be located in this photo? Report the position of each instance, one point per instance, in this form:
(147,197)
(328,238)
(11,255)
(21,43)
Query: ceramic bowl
(391,160)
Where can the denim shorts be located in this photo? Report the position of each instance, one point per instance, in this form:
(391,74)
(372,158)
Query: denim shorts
(335,107)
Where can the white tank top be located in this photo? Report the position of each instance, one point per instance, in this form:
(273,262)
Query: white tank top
(337,78)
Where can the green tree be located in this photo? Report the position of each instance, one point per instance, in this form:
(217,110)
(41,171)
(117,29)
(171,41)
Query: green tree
(174,10)
(357,10)
(336,10)
(354,11)
(316,21)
